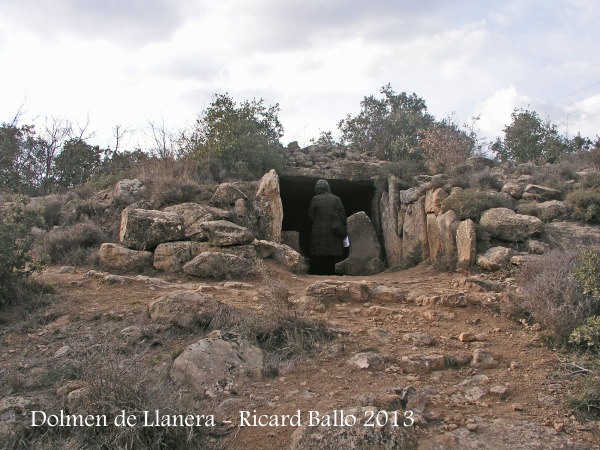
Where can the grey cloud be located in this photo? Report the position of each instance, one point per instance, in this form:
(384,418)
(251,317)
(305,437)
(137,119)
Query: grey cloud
(127,22)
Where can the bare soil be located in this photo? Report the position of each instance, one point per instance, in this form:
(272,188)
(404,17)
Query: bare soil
(82,312)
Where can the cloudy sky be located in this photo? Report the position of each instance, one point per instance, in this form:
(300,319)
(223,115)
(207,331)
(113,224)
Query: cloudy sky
(130,62)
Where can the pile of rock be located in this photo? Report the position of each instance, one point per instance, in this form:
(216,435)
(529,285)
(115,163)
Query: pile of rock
(223,240)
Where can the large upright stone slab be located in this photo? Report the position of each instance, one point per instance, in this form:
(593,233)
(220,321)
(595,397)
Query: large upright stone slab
(415,247)
(448,223)
(269,207)
(466,244)
(365,251)
(433,236)
(389,223)
(143,229)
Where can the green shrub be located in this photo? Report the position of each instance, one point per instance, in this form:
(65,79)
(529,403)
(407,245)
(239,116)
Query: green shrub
(588,272)
(586,205)
(15,243)
(405,170)
(470,203)
(587,336)
(591,181)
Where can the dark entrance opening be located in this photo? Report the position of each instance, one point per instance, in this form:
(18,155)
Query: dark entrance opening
(297,191)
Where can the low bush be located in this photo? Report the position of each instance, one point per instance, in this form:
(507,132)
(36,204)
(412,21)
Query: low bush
(591,181)
(585,204)
(553,297)
(16,241)
(73,245)
(470,203)
(587,336)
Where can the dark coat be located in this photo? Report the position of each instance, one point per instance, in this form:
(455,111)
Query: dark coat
(322,241)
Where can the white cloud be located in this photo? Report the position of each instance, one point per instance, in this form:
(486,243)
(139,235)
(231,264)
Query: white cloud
(495,111)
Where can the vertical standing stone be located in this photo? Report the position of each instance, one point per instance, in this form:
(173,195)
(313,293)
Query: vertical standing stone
(433,236)
(448,223)
(414,234)
(389,221)
(269,207)
(466,244)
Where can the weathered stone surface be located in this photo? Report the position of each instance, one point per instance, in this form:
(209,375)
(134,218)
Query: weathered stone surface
(520,260)
(243,251)
(389,222)
(466,244)
(116,257)
(448,224)
(327,436)
(504,434)
(291,239)
(194,215)
(536,247)
(433,236)
(367,360)
(269,207)
(483,359)
(222,233)
(220,266)
(434,199)
(515,190)
(419,339)
(183,308)
(333,291)
(365,251)
(226,194)
(382,293)
(410,195)
(264,249)
(423,363)
(553,210)
(504,223)
(415,247)
(570,236)
(143,229)
(171,256)
(495,258)
(541,193)
(289,258)
(126,192)
(221,362)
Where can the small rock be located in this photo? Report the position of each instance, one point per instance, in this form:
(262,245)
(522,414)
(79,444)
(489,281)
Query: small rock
(517,407)
(62,351)
(472,427)
(467,337)
(499,390)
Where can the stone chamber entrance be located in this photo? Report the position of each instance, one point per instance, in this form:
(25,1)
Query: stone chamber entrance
(297,191)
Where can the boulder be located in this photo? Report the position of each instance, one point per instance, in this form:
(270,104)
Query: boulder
(541,193)
(143,229)
(495,258)
(365,252)
(193,216)
(570,236)
(333,291)
(127,192)
(219,363)
(515,190)
(183,308)
(225,195)
(222,233)
(553,210)
(171,256)
(264,249)
(289,259)
(324,434)
(269,208)
(504,223)
(220,266)
(116,257)
(367,360)
(466,244)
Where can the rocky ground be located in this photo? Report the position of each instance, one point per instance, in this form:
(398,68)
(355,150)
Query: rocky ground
(434,343)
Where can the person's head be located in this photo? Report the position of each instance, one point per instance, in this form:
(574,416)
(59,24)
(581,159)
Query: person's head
(322,187)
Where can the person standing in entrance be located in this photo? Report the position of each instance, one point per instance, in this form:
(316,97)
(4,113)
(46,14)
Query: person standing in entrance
(325,247)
